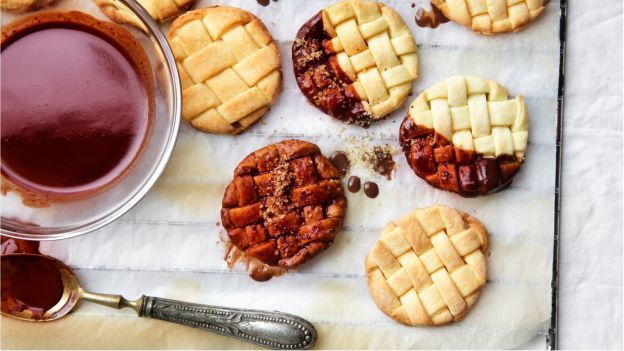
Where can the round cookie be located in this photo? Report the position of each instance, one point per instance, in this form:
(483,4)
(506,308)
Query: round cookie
(465,135)
(160,10)
(355,61)
(429,266)
(493,16)
(285,203)
(229,68)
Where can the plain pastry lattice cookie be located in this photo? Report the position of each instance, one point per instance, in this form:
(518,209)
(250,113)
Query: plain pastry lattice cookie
(428,268)
(356,61)
(491,16)
(466,135)
(23,5)
(160,10)
(229,67)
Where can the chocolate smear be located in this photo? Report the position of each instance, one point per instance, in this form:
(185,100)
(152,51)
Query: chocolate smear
(379,158)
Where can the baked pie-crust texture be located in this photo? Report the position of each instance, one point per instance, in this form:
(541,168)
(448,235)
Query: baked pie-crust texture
(465,135)
(160,10)
(368,51)
(285,203)
(24,5)
(428,268)
(491,16)
(229,67)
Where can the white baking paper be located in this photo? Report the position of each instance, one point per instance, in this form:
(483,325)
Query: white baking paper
(169,245)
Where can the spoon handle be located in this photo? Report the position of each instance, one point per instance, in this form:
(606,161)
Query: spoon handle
(276,330)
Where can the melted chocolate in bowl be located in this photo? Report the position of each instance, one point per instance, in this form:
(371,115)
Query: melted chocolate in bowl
(76,103)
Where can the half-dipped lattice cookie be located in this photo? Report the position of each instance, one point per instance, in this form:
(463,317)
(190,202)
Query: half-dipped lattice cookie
(491,16)
(428,267)
(355,61)
(229,67)
(466,135)
(284,204)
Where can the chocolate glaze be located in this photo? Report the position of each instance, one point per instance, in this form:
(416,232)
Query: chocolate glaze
(76,103)
(321,79)
(436,160)
(429,19)
(257,270)
(29,284)
(371,189)
(354,184)
(340,160)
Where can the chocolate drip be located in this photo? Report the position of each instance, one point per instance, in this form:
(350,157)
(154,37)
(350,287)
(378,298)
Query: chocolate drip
(429,19)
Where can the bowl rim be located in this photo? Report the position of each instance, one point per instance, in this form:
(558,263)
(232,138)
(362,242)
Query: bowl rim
(141,191)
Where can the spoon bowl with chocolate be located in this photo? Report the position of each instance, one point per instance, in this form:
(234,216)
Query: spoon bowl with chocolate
(90,114)
(40,288)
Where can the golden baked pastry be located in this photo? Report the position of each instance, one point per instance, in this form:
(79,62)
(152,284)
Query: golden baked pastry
(491,16)
(229,67)
(285,203)
(465,135)
(428,268)
(356,61)
(23,5)
(160,10)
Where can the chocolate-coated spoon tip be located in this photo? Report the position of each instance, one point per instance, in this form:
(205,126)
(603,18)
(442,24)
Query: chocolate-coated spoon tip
(37,287)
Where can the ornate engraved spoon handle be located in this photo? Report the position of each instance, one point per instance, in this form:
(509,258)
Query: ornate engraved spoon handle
(274,330)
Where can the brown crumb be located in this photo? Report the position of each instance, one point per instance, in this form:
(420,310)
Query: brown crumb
(275,207)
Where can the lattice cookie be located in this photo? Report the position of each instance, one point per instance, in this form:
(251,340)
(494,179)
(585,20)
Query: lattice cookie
(284,204)
(24,5)
(160,10)
(229,66)
(428,268)
(491,16)
(356,61)
(465,135)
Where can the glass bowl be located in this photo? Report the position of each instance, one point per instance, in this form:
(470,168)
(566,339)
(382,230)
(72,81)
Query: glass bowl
(67,219)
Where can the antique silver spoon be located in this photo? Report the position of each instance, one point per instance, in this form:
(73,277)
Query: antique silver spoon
(275,330)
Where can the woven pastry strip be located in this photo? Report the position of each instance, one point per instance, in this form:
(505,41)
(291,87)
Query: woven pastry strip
(284,204)
(491,16)
(428,268)
(465,135)
(229,67)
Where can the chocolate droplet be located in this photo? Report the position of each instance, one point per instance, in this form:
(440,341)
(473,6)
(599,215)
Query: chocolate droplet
(340,160)
(371,189)
(354,184)
(263,2)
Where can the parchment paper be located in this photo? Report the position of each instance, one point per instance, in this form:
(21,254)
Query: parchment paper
(169,245)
